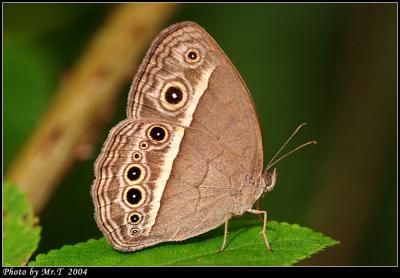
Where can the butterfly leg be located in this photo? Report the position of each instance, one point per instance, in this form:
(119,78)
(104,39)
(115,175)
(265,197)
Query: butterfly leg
(225,234)
(265,225)
(258,208)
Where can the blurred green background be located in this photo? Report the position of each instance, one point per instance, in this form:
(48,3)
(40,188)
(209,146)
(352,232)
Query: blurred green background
(330,65)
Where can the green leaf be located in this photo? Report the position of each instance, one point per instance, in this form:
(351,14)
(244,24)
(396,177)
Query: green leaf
(290,244)
(21,233)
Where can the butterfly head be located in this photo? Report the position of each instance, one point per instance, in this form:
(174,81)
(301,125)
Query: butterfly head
(269,180)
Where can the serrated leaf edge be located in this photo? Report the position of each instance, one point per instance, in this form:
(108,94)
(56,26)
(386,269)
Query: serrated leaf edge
(332,242)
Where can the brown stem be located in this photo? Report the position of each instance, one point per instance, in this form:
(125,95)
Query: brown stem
(83,103)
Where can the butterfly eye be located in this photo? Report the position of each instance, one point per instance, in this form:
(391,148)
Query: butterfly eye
(157,134)
(143,145)
(134,232)
(134,173)
(134,196)
(135,218)
(173,96)
(136,156)
(192,56)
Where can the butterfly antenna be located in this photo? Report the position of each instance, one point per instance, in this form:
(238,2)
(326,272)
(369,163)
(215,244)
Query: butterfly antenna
(289,153)
(273,161)
(284,145)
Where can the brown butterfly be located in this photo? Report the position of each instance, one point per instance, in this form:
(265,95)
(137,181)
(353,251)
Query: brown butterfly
(189,156)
